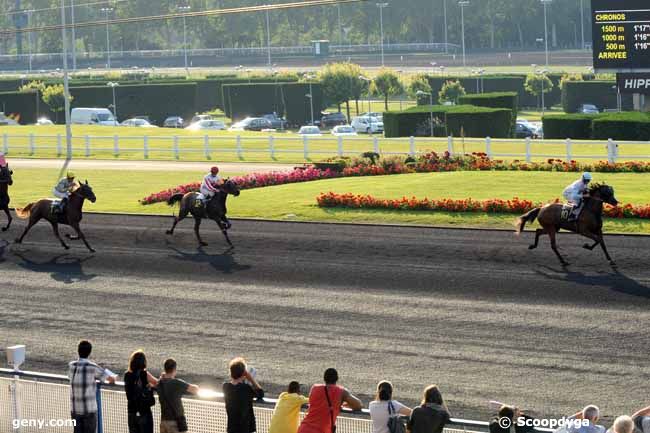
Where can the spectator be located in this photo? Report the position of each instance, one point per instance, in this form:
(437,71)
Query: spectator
(641,420)
(431,416)
(513,415)
(623,424)
(139,384)
(82,374)
(591,413)
(170,393)
(325,404)
(383,407)
(239,394)
(286,415)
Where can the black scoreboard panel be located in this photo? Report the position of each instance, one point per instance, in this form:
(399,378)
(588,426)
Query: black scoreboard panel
(621,35)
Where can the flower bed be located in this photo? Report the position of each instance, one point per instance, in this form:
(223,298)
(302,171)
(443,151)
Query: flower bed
(514,206)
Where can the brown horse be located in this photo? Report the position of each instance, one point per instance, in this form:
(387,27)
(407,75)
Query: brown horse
(5,181)
(589,224)
(215,210)
(71,216)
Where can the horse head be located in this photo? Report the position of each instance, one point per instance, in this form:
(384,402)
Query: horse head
(230,187)
(84,190)
(603,192)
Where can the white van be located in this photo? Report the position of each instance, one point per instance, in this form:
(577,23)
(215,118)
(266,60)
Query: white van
(92,116)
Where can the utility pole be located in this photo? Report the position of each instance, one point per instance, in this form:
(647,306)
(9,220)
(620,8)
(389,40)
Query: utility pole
(462,5)
(74,37)
(381,7)
(107,10)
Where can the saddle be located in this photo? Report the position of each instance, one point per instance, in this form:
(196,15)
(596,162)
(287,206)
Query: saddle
(57,211)
(567,214)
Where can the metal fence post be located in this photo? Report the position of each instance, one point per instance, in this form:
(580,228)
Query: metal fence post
(239,149)
(412,146)
(272,146)
(488,147)
(145,146)
(175,146)
(450,145)
(340,146)
(375,145)
(100,418)
(87,144)
(5,144)
(59,145)
(206,146)
(116,145)
(569,153)
(528,150)
(31,144)
(305,145)
(13,388)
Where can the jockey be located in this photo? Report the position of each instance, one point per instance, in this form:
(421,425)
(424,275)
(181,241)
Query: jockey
(575,194)
(63,189)
(211,184)
(4,168)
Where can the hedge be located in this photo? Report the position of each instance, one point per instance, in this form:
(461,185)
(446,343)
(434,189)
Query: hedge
(405,123)
(622,126)
(602,94)
(576,126)
(507,100)
(288,99)
(22,104)
(218,101)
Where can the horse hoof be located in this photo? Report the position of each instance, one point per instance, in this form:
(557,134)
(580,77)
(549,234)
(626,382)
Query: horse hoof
(4,229)
(169,232)
(203,244)
(565,264)
(586,246)
(532,247)
(613,264)
(18,241)
(66,247)
(92,250)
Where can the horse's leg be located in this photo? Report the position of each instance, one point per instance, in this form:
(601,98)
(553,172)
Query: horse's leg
(9,219)
(81,236)
(538,233)
(552,234)
(598,239)
(224,230)
(32,222)
(181,216)
(55,228)
(197,224)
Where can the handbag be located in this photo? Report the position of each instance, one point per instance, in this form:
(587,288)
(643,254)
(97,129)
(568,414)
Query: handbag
(329,404)
(181,421)
(395,424)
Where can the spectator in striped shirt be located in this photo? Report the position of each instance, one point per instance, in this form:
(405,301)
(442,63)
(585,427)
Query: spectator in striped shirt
(82,374)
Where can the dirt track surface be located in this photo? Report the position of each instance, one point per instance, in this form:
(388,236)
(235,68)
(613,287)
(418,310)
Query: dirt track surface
(473,311)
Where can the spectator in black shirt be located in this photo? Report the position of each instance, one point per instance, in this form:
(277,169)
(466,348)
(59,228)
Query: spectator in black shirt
(431,416)
(139,384)
(239,394)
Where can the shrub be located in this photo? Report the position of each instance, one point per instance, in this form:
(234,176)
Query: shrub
(470,121)
(54,97)
(451,91)
(576,126)
(21,105)
(622,126)
(494,100)
(600,93)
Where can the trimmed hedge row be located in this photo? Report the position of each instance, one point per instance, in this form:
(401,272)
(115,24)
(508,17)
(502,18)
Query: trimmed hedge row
(494,100)
(602,94)
(25,105)
(576,126)
(459,120)
(630,126)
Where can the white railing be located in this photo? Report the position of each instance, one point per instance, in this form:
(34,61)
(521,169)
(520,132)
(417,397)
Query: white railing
(301,148)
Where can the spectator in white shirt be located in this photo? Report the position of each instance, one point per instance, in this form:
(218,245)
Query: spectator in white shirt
(592,414)
(383,407)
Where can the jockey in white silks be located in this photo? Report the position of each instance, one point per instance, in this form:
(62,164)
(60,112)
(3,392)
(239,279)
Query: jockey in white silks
(575,193)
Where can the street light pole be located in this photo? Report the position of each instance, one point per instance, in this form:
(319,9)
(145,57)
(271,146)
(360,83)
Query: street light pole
(311,96)
(74,37)
(444,11)
(582,23)
(113,85)
(29,37)
(66,91)
(268,36)
(381,7)
(462,5)
(545,2)
(108,38)
(184,9)
(430,95)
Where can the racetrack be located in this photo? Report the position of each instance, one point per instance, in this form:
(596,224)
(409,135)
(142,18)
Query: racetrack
(473,311)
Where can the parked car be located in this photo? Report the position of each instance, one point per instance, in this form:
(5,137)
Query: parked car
(138,123)
(207,125)
(330,120)
(200,117)
(252,124)
(92,116)
(375,114)
(589,109)
(309,130)
(524,130)
(7,121)
(44,121)
(276,121)
(173,122)
(343,130)
(368,125)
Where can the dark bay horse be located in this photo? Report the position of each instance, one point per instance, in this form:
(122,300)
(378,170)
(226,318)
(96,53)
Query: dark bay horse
(71,216)
(589,224)
(214,210)
(5,182)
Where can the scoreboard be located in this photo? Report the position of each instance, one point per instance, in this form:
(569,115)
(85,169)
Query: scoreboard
(621,35)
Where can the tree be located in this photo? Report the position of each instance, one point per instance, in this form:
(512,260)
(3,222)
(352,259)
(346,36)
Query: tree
(536,84)
(450,92)
(419,83)
(387,84)
(37,87)
(54,97)
(341,83)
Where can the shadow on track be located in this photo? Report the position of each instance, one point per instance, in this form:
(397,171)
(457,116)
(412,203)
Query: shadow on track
(3,250)
(64,268)
(615,281)
(225,263)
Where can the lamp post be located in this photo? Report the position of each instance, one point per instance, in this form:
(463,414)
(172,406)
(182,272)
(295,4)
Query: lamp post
(444,12)
(74,37)
(66,90)
(545,3)
(107,10)
(542,73)
(310,95)
(381,7)
(184,9)
(29,37)
(463,4)
(113,85)
(367,80)
(401,97)
(430,95)
(268,37)
(582,23)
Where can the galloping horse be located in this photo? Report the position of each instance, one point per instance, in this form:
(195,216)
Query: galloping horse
(5,181)
(71,216)
(214,210)
(553,217)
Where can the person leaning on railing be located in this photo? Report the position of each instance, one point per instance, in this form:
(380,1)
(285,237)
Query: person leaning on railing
(170,393)
(590,413)
(383,408)
(641,420)
(432,414)
(325,403)
(83,375)
(139,385)
(512,414)
(622,424)
(286,415)
(239,394)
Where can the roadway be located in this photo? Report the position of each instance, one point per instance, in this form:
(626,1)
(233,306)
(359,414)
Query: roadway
(473,311)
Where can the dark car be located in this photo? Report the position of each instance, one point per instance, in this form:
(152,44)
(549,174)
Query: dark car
(173,122)
(276,121)
(252,124)
(522,130)
(330,120)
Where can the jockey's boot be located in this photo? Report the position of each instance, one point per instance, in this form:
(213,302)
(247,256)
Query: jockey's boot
(575,213)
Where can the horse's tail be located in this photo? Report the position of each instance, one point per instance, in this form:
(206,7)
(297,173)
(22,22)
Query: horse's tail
(25,212)
(526,218)
(174,199)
